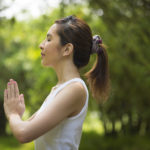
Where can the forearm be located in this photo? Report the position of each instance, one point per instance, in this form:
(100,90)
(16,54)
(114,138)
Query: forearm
(29,119)
(24,131)
(18,127)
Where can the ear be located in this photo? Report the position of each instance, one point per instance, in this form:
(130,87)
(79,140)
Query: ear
(68,49)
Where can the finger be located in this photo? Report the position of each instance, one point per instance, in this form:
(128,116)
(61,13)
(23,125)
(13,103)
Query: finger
(11,80)
(5,95)
(22,99)
(16,89)
(12,89)
(8,90)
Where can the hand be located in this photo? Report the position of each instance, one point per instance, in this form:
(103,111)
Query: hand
(13,102)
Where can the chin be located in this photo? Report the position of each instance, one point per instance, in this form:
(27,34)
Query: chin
(45,65)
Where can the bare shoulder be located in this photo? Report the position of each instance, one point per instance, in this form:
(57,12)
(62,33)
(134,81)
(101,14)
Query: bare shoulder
(77,86)
(75,89)
(80,102)
(75,94)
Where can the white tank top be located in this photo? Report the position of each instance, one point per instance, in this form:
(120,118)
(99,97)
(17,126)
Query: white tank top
(67,134)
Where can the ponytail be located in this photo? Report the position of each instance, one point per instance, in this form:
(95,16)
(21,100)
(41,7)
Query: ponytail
(98,75)
(74,30)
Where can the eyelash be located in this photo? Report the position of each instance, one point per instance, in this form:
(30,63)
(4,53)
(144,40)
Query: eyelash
(48,39)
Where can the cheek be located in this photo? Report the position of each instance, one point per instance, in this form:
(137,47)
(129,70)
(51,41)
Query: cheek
(50,46)
(52,52)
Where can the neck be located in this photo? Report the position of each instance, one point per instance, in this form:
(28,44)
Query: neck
(66,71)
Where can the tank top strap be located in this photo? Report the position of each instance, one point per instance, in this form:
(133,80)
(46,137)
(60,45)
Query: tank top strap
(53,93)
(70,81)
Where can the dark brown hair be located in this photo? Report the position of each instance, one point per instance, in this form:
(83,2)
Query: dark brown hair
(74,30)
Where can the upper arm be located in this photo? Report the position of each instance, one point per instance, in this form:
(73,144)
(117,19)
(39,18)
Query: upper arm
(60,108)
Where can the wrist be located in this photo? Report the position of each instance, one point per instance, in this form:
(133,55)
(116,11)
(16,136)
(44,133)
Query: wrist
(13,115)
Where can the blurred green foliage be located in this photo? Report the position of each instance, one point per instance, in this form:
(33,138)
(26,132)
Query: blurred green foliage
(127,35)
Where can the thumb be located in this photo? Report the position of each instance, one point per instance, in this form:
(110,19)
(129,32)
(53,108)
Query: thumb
(21,98)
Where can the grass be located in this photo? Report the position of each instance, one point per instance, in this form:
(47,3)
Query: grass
(89,141)
(92,139)
(10,143)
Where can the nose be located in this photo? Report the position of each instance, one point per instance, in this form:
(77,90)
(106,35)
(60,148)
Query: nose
(41,46)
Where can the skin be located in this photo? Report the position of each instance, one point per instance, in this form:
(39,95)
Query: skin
(65,104)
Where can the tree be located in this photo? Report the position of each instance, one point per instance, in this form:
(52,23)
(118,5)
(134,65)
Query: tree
(127,35)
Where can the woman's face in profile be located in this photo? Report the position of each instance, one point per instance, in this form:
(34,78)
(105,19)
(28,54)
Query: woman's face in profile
(51,48)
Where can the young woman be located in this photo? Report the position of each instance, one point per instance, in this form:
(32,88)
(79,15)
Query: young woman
(57,125)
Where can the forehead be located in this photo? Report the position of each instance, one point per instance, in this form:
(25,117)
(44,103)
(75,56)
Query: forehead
(52,30)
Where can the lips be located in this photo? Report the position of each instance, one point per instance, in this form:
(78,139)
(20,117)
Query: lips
(42,54)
